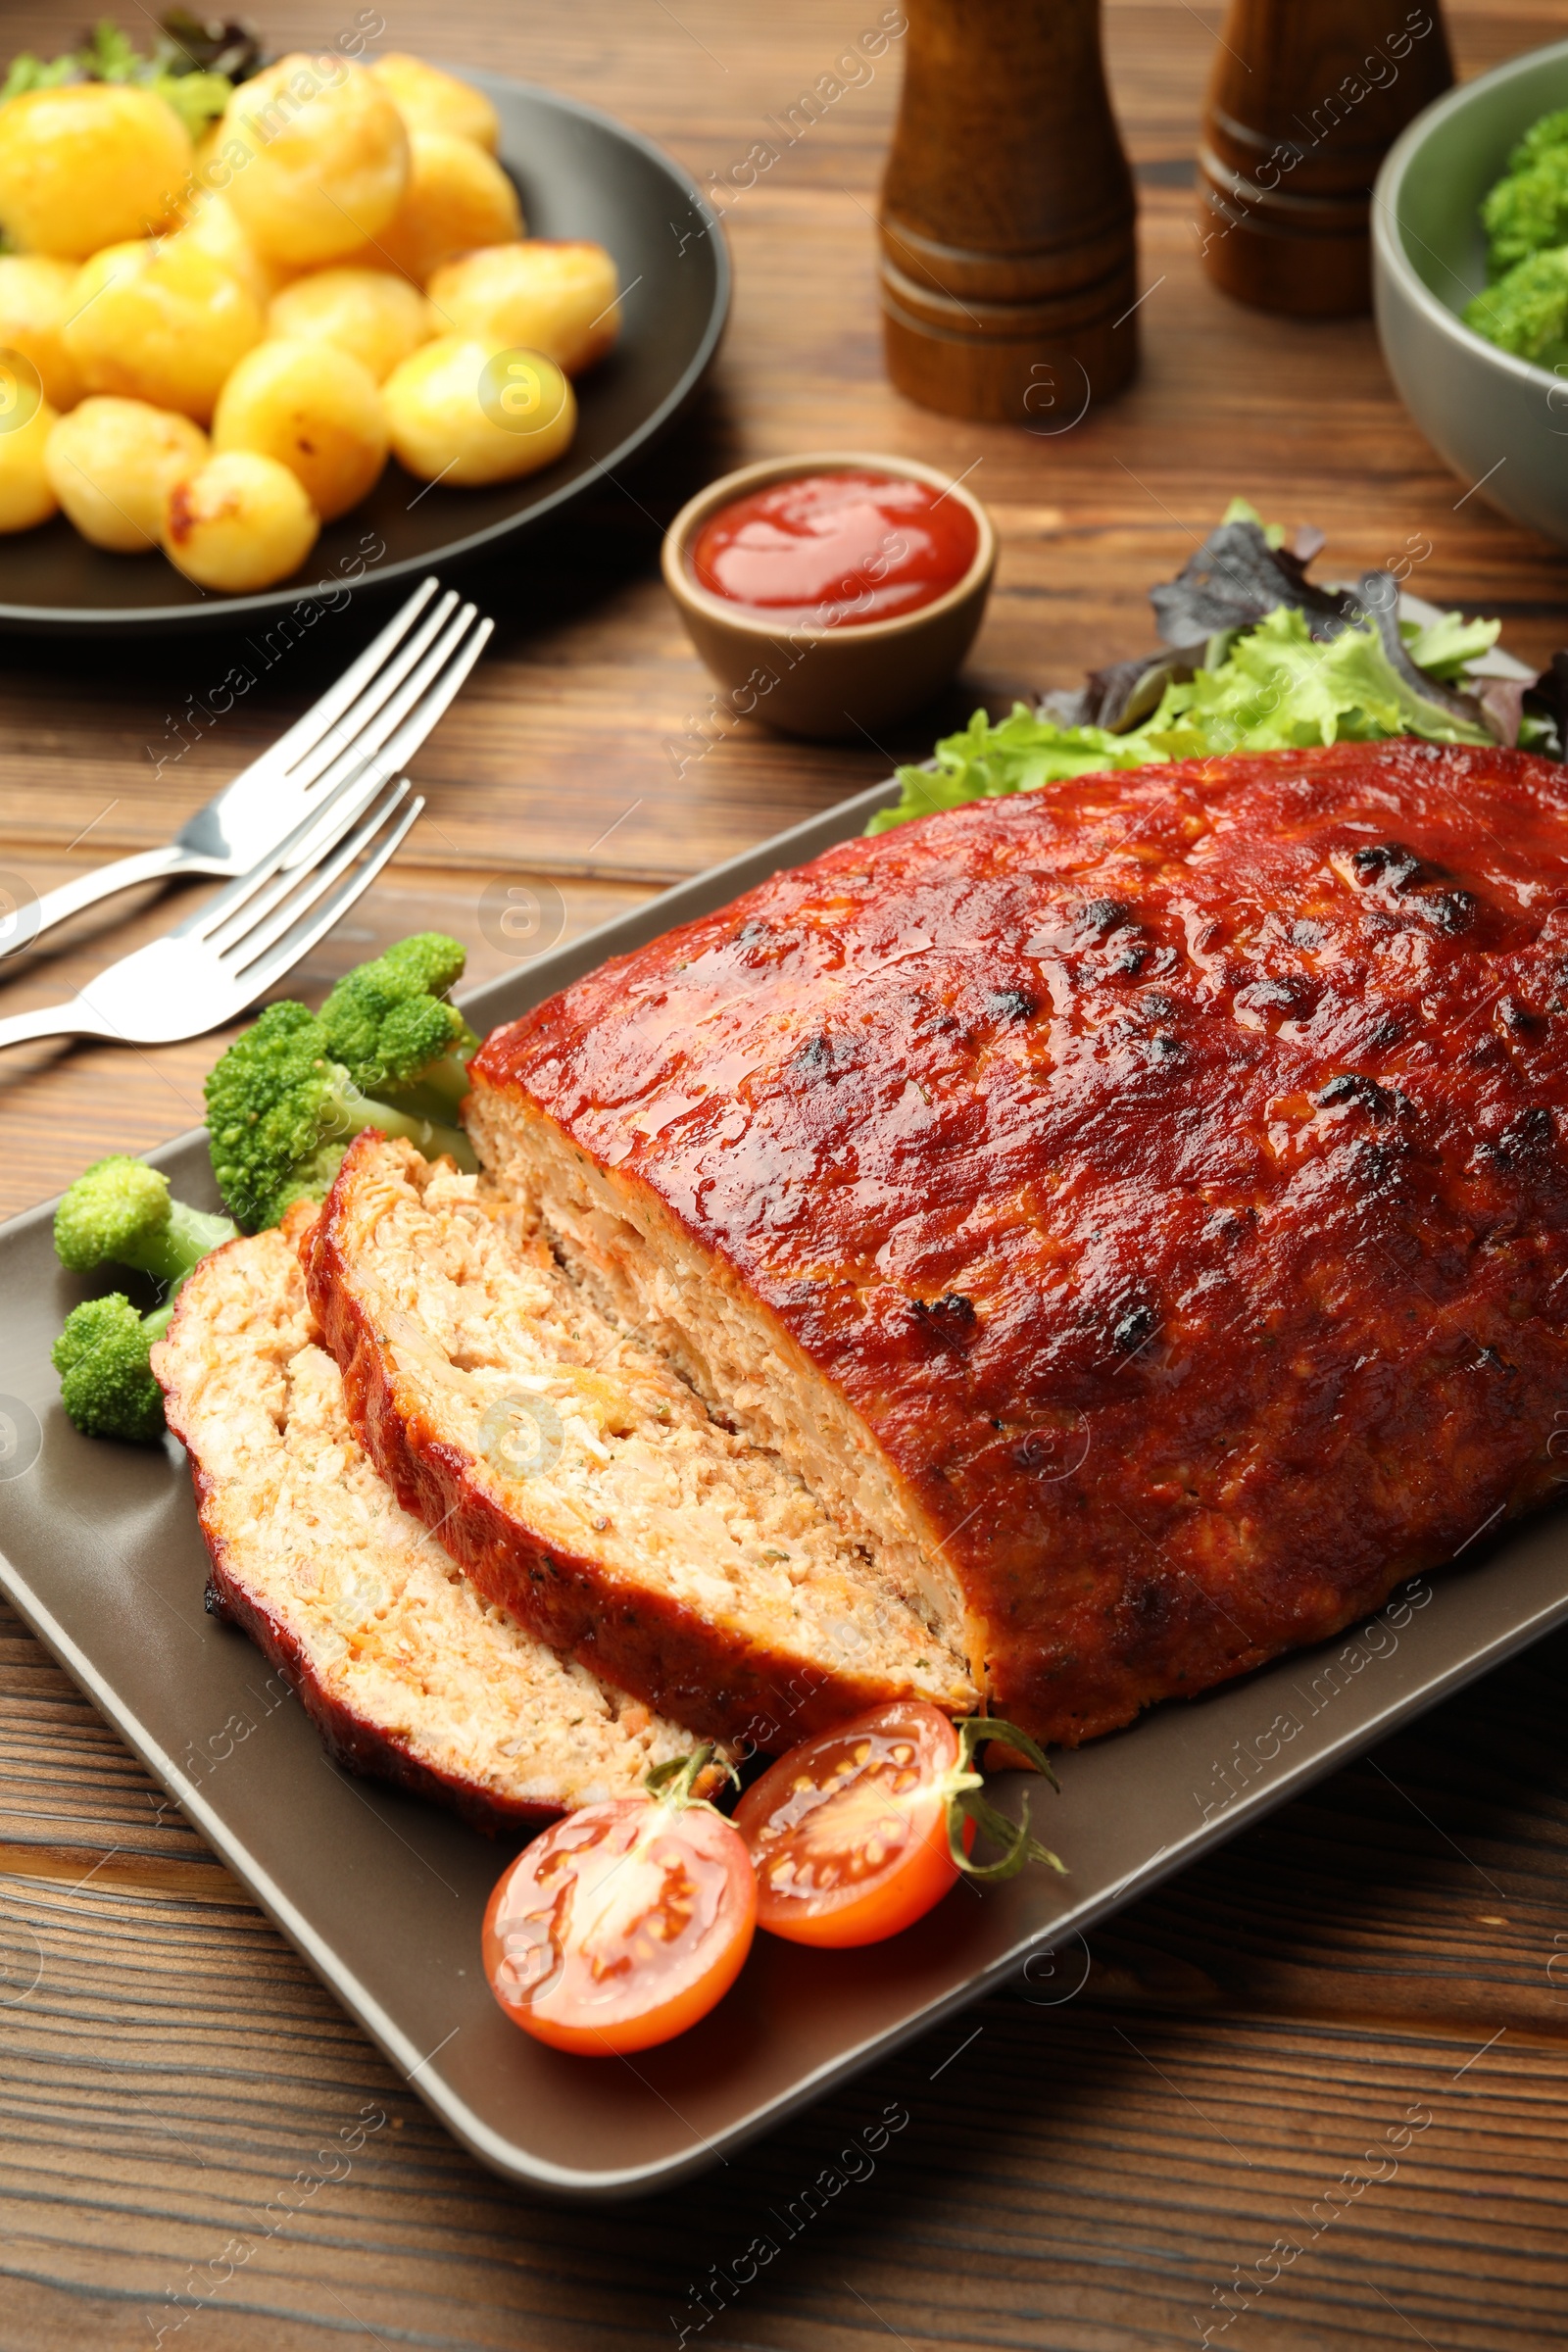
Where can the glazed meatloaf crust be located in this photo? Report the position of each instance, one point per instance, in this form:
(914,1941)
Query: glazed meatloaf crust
(1142,1201)
(407,1672)
(582,1484)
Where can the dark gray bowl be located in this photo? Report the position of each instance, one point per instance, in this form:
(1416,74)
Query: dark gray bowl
(1501,423)
(580,175)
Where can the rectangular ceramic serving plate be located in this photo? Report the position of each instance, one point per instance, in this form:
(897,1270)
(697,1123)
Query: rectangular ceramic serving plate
(383,1894)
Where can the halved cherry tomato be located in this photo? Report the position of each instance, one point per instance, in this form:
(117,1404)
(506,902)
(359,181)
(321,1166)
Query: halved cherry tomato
(622,1923)
(857,1834)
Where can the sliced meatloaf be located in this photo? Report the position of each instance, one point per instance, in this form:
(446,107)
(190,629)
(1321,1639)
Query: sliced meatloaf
(583,1486)
(407,1671)
(1143,1201)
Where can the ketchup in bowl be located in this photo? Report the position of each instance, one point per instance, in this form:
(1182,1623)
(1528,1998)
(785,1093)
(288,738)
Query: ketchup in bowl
(833,551)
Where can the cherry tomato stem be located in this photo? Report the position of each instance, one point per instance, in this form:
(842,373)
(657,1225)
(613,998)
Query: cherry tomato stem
(860,1832)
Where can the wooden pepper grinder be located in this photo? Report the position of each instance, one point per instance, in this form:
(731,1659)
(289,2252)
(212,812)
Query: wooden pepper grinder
(1008,261)
(1305,99)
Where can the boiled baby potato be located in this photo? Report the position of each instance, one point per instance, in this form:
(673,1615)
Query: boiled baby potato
(464,414)
(26,497)
(314,409)
(160,321)
(89,164)
(374,315)
(34,305)
(542,294)
(456,197)
(430,100)
(112,464)
(242,522)
(214,229)
(317,158)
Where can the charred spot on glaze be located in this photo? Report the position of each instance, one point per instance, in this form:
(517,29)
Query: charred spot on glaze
(1449,911)
(1364,1092)
(1529,1136)
(950,1318)
(1135,1329)
(1100,916)
(1011,1005)
(1406,877)
(1390,862)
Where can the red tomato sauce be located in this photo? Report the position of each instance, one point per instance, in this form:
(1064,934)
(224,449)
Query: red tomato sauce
(833,551)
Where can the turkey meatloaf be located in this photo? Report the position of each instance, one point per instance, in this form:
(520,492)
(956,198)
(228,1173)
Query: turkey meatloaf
(1136,1208)
(407,1671)
(584,1486)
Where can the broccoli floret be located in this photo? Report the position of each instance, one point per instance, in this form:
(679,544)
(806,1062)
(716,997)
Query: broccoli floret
(1527,213)
(123,1210)
(389,1024)
(1539,139)
(106,1383)
(1528,312)
(282,1112)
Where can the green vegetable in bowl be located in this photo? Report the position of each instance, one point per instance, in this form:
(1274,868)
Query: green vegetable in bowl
(1527,211)
(1527,312)
(1546,132)
(1525,215)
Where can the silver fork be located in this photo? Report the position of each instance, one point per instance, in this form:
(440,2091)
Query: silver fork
(219,959)
(385,704)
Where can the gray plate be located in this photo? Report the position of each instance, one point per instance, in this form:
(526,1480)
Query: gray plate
(580,174)
(383,1895)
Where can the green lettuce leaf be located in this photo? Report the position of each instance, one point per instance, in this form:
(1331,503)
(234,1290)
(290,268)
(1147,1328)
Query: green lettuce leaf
(1276,689)
(1444,647)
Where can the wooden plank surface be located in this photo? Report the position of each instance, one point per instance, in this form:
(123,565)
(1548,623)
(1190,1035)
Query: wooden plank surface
(1315,2093)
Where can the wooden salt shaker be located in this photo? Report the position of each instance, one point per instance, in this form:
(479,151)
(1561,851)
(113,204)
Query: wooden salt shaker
(1008,261)
(1305,99)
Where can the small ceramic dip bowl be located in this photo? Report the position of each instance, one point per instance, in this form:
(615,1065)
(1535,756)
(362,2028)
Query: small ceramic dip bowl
(847,680)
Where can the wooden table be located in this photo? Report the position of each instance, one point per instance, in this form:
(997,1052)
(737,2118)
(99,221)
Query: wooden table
(1387,1955)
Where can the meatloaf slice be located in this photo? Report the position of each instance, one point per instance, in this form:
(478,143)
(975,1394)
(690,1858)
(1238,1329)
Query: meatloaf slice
(407,1671)
(583,1486)
(1147,1196)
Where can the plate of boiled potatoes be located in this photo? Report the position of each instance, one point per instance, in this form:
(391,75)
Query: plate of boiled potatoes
(266,326)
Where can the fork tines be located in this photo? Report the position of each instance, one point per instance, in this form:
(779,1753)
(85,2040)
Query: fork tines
(261,941)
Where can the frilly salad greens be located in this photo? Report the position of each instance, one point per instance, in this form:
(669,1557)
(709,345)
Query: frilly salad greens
(1524,310)
(1261,659)
(193,65)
